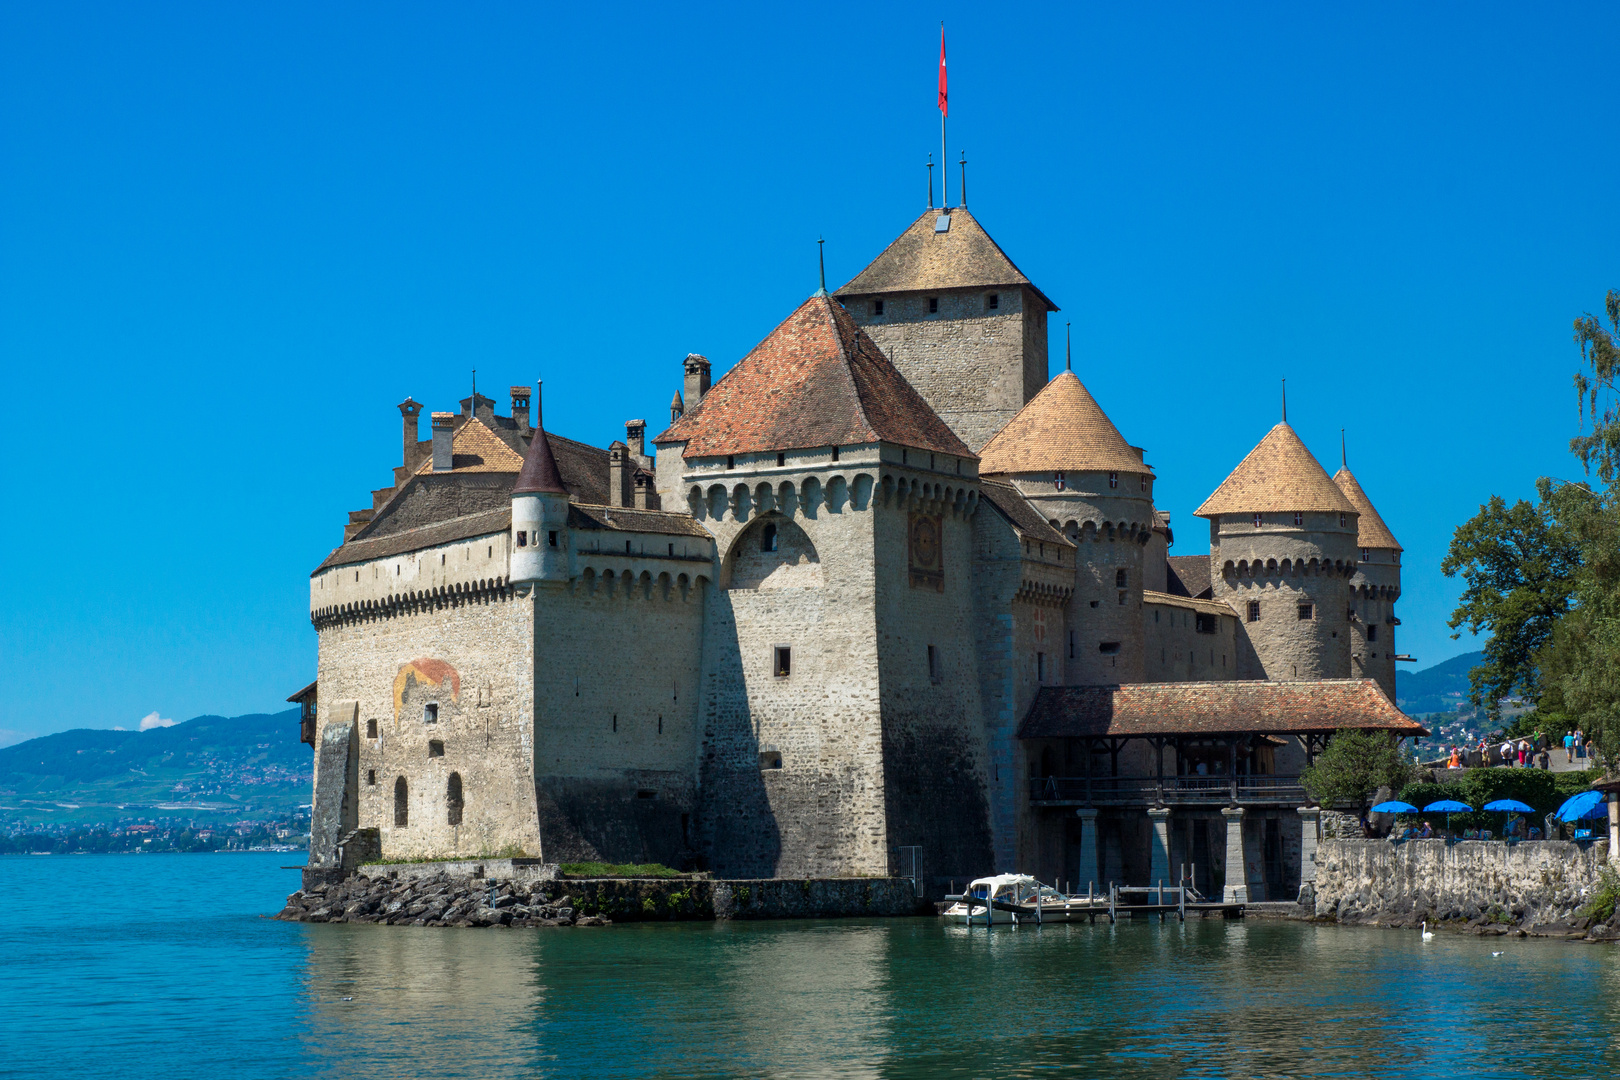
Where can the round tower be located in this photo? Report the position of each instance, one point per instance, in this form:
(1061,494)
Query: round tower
(1374,589)
(539,542)
(1282,542)
(1067,458)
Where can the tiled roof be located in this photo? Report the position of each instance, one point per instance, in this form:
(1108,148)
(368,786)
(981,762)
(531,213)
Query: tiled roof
(1017,509)
(539,469)
(1213,708)
(475,448)
(423,536)
(1188,575)
(622,519)
(1208,607)
(1062,427)
(816,380)
(921,260)
(1371,532)
(1278,475)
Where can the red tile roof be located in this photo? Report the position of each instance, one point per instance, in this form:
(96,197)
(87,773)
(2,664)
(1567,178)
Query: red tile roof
(816,380)
(1213,708)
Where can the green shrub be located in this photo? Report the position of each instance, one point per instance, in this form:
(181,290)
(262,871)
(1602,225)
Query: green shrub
(1600,908)
(1541,790)
(599,870)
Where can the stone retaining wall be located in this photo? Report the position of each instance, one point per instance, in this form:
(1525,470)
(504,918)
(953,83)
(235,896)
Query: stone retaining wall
(632,899)
(1533,883)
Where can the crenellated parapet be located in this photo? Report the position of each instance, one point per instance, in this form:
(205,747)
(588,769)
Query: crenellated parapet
(1240,570)
(413,602)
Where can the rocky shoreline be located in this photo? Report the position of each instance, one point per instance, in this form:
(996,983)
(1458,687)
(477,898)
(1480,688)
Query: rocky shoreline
(437,900)
(1496,924)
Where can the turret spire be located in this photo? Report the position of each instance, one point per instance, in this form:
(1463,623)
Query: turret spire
(1068,356)
(821,255)
(1285,401)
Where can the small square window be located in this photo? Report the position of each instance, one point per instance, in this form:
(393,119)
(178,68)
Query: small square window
(430,713)
(523,538)
(1372,632)
(784,661)
(1113,479)
(1299,519)
(371,777)
(877,307)
(1306,611)
(993,301)
(1204,623)
(770,759)
(933,305)
(435,748)
(1122,578)
(1257,521)
(1108,648)
(371,729)
(1254,611)
(551,538)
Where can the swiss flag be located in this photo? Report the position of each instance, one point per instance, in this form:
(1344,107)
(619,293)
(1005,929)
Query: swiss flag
(943,97)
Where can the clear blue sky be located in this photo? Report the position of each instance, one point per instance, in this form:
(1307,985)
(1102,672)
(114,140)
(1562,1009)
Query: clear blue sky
(233,236)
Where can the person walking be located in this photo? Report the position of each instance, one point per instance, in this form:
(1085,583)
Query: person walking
(1569,747)
(1580,743)
(1507,753)
(1524,753)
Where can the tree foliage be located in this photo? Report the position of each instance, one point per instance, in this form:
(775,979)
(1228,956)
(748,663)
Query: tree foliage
(1354,766)
(1595,392)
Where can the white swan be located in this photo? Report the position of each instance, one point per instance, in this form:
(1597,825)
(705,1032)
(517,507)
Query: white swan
(1427,933)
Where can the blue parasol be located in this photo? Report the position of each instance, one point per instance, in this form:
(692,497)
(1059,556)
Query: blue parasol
(1448,807)
(1509,806)
(1394,806)
(1588,804)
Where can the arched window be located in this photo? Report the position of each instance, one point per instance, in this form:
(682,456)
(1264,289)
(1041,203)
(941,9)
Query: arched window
(402,813)
(452,798)
(767,537)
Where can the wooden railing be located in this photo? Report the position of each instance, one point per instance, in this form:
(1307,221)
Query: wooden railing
(1125,790)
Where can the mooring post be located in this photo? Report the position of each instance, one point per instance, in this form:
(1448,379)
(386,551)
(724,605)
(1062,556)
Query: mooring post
(1112,891)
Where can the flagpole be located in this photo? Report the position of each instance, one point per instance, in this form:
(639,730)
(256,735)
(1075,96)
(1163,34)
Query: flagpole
(944,158)
(944,174)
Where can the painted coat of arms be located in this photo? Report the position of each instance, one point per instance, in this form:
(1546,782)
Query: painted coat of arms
(926,557)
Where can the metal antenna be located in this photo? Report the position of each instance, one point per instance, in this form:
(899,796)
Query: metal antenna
(1344,461)
(475,388)
(1285,401)
(963,193)
(930,181)
(1068,356)
(821,254)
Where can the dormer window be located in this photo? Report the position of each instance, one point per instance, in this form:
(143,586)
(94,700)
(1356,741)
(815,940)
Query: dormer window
(1257,521)
(1059,482)
(1113,479)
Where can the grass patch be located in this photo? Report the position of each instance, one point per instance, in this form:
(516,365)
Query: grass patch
(1604,899)
(600,869)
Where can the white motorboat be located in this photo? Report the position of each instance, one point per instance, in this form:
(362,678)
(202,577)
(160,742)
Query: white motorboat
(1017,898)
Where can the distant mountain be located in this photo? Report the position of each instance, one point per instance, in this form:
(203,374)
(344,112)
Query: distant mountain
(1441,688)
(208,768)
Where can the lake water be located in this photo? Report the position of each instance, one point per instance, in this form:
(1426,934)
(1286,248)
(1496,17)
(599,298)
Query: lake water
(166,967)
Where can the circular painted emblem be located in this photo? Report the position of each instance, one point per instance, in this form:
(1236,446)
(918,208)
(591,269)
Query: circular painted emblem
(925,541)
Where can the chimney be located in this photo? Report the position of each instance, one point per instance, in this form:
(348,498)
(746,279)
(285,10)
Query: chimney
(697,378)
(619,474)
(520,407)
(444,429)
(409,410)
(677,408)
(635,433)
(646,498)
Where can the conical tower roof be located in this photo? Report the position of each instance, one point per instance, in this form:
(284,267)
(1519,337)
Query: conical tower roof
(1371,532)
(1278,475)
(1062,428)
(816,380)
(923,258)
(539,472)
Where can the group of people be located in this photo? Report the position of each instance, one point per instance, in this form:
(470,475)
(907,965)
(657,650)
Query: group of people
(1513,829)
(1523,753)
(1574,744)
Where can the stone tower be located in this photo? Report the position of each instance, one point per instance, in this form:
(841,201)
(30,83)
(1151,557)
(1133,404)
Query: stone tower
(1373,590)
(960,321)
(539,543)
(1282,550)
(1067,458)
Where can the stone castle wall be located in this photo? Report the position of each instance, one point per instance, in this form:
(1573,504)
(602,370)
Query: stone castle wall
(1177,651)
(1373,592)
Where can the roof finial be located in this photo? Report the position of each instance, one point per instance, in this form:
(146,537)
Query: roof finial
(475,387)
(1285,401)
(930,181)
(1068,355)
(821,254)
(963,194)
(1344,461)
(539,418)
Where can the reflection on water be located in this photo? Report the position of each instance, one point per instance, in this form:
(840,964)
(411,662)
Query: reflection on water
(165,969)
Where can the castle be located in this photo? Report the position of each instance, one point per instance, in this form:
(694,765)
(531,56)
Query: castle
(883,599)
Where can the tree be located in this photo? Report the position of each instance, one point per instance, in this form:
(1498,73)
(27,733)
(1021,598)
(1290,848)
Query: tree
(1354,765)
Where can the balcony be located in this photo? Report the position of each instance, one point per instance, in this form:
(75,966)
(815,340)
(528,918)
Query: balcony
(1168,790)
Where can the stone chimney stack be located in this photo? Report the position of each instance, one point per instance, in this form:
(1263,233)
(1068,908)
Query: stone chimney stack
(646,496)
(409,410)
(620,472)
(697,379)
(444,429)
(635,433)
(520,407)
(677,408)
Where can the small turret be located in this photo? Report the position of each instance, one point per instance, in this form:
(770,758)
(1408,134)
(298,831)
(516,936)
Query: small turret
(677,408)
(539,517)
(1373,590)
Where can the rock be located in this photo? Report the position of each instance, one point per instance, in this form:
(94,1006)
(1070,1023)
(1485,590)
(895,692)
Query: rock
(592,920)
(564,912)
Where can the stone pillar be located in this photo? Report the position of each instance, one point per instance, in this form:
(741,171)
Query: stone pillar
(1237,875)
(1614,826)
(1309,821)
(1088,849)
(1159,864)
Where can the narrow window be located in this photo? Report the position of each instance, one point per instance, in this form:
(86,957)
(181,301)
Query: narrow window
(877,307)
(784,661)
(933,663)
(1366,555)
(905,456)
(1254,611)
(1071,643)
(1121,578)
(435,748)
(615,721)
(371,729)
(627,547)
(767,537)
(523,538)
(933,305)
(1143,479)
(672,549)
(1341,521)
(357,575)
(1040,667)
(1305,611)
(1372,633)
(489,553)
(1257,521)
(1113,479)
(401,804)
(646,793)
(1299,519)
(781,459)
(993,301)
(731,461)
(660,723)
(430,713)
(1059,481)
(835,453)
(1108,648)
(1155,614)
(371,777)
(452,798)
